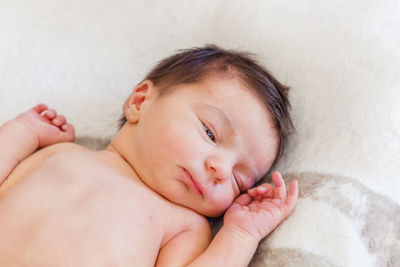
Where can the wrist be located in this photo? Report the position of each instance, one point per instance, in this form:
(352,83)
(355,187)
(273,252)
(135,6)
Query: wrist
(230,247)
(23,133)
(237,232)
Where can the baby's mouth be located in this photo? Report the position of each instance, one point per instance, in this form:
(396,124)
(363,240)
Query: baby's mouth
(192,182)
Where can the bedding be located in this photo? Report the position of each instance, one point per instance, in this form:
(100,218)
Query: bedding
(340,58)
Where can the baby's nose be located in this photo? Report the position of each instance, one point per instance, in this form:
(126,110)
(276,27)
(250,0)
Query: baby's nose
(219,170)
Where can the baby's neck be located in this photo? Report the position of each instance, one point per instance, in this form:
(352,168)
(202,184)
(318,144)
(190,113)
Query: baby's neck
(116,161)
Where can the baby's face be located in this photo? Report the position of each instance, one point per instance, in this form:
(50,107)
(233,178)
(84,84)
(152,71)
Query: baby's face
(203,144)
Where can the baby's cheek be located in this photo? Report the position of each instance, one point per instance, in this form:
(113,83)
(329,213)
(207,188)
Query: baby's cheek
(182,141)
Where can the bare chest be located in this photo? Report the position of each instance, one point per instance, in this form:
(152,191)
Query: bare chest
(75,211)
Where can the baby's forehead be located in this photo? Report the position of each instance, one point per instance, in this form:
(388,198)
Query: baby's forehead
(229,81)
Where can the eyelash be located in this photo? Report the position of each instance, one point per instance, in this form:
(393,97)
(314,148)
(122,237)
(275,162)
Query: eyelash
(237,182)
(209,133)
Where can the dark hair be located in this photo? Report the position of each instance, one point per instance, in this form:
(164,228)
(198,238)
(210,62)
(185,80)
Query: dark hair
(191,65)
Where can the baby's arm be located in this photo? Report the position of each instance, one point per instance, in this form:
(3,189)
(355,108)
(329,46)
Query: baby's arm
(36,128)
(250,218)
(186,246)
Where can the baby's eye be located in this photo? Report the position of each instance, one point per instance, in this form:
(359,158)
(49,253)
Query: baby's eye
(238,184)
(209,133)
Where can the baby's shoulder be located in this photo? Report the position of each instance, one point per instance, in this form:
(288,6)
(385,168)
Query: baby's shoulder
(61,150)
(33,161)
(62,147)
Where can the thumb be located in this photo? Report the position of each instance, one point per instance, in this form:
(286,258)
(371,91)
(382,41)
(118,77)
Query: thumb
(243,200)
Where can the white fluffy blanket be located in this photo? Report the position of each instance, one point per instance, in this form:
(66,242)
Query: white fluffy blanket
(341,59)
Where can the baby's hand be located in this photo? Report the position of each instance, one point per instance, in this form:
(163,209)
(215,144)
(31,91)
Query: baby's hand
(47,126)
(260,210)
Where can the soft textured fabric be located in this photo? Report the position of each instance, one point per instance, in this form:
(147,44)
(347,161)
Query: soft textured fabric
(340,58)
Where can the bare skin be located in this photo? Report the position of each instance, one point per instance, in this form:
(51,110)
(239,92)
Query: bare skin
(68,206)
(87,211)
(82,200)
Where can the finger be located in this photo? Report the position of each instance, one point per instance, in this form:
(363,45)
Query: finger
(59,120)
(68,128)
(243,200)
(262,192)
(268,196)
(50,114)
(292,199)
(280,188)
(259,189)
(40,108)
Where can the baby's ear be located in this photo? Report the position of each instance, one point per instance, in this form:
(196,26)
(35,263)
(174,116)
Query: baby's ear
(134,104)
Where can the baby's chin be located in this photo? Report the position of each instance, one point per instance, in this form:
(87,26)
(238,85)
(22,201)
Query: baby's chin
(210,212)
(204,211)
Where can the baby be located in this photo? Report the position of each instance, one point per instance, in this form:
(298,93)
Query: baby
(198,133)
